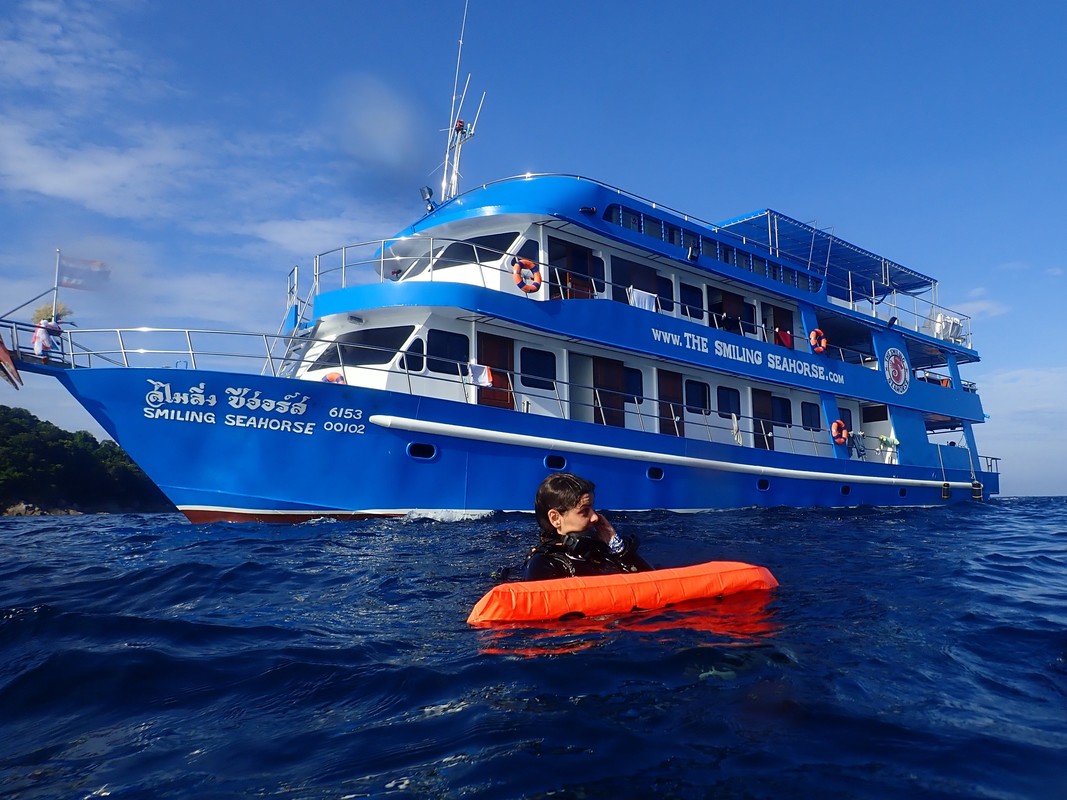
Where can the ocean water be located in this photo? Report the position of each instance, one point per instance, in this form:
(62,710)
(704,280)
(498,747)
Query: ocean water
(907,653)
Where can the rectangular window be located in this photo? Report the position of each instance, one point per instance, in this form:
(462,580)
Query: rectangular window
(537,368)
(652,227)
(631,220)
(878,413)
(726,254)
(690,241)
(626,273)
(633,382)
(447,352)
(846,417)
(672,234)
(728,401)
(781,411)
(810,416)
(697,397)
(665,291)
(692,300)
(709,247)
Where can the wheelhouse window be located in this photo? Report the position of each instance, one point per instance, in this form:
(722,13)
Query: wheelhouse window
(364,347)
(476,250)
(413,359)
(537,368)
(447,353)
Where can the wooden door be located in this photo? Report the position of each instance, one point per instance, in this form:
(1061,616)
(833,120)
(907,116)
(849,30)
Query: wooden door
(671,403)
(497,353)
(762,419)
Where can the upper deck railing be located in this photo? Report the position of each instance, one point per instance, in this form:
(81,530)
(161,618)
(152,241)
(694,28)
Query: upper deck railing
(395,259)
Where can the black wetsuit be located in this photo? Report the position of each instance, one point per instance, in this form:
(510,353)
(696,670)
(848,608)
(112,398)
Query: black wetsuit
(588,554)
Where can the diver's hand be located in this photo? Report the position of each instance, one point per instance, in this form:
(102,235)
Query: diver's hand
(603,527)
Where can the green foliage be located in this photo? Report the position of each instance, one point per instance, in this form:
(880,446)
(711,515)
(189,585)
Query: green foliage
(54,469)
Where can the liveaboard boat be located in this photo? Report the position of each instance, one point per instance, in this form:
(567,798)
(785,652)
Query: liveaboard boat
(552,322)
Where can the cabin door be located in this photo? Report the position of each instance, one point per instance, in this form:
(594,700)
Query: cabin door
(609,387)
(670,403)
(762,419)
(497,353)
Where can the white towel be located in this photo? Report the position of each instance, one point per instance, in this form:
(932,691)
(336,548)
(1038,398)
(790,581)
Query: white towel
(481,375)
(642,299)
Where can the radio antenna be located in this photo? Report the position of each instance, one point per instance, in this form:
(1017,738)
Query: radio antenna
(458,130)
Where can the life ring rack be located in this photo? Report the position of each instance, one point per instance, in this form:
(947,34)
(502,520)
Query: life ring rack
(818,341)
(839,432)
(521,265)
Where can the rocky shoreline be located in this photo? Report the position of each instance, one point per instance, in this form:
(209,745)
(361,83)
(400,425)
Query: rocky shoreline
(30,510)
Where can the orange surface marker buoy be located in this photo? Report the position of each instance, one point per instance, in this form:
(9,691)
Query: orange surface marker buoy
(531,601)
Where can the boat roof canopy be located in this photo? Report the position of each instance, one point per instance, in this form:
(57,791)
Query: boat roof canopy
(842,263)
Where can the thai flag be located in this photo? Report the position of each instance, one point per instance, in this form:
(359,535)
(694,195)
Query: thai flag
(76,273)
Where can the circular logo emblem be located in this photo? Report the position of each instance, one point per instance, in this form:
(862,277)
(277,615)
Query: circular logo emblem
(897,371)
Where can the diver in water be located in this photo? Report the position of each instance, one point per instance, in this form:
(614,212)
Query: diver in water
(576,539)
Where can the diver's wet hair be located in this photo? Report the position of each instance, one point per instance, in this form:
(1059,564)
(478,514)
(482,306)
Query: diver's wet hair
(561,491)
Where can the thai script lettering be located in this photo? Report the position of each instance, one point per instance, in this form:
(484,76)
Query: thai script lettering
(240,398)
(162,395)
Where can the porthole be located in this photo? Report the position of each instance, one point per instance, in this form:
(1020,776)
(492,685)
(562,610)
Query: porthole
(763,484)
(555,462)
(654,474)
(422,451)
(846,490)
(903,492)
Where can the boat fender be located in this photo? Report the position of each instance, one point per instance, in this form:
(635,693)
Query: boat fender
(597,595)
(839,432)
(527,274)
(818,341)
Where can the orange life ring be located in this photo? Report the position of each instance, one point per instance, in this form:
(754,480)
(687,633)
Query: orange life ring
(818,341)
(839,432)
(334,377)
(596,595)
(520,264)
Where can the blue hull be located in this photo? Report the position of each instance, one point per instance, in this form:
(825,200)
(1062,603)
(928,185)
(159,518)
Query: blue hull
(227,446)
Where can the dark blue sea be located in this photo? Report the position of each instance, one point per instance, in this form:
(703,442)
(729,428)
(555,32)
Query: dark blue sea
(906,653)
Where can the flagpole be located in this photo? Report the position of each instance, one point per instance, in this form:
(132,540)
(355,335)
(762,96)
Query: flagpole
(55,289)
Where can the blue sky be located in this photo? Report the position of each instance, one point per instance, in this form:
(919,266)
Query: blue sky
(203,148)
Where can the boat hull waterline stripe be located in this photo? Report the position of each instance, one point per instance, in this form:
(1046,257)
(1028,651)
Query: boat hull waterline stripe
(525,440)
